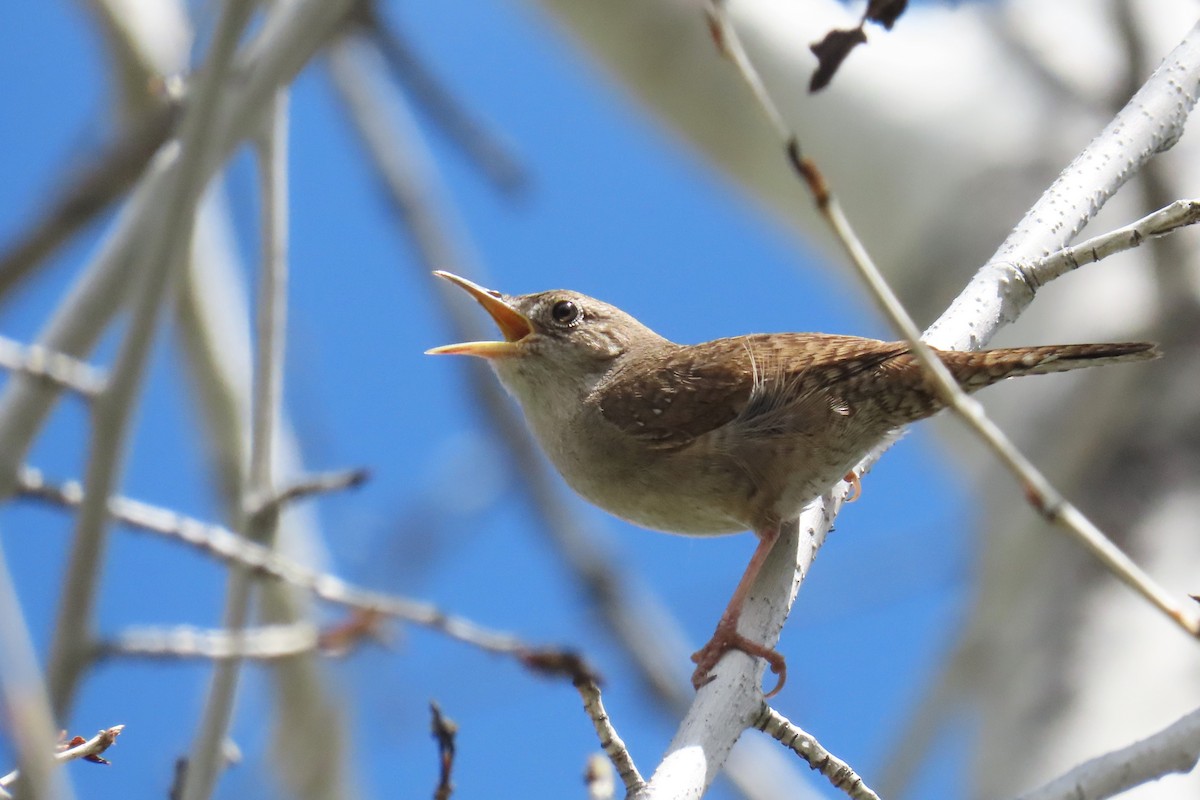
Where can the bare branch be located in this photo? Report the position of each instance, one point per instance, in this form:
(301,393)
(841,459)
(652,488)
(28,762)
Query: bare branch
(110,175)
(90,749)
(486,151)
(1174,749)
(839,773)
(28,720)
(87,749)
(1152,121)
(1179,214)
(610,742)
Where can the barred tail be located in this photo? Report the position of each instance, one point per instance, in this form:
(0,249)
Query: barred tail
(975,370)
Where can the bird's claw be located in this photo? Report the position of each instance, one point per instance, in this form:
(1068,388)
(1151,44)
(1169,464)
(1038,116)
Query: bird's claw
(725,639)
(855,491)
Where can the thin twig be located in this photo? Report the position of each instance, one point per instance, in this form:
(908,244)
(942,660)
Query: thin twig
(306,487)
(89,750)
(444,732)
(610,742)
(230,548)
(1039,491)
(840,774)
(1166,220)
(59,369)
(490,155)
(1174,749)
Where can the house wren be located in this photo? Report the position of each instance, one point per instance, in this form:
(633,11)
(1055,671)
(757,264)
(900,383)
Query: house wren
(729,435)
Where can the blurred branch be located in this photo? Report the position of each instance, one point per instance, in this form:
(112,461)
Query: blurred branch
(108,176)
(289,37)
(261,526)
(598,776)
(265,643)
(308,711)
(1175,749)
(489,155)
(304,488)
(159,260)
(839,773)
(59,369)
(28,720)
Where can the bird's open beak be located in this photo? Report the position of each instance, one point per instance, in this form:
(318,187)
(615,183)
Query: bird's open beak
(514,325)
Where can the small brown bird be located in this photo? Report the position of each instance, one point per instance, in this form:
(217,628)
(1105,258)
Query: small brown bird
(729,435)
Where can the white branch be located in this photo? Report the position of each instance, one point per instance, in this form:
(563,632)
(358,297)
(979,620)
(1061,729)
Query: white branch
(1175,749)
(1166,220)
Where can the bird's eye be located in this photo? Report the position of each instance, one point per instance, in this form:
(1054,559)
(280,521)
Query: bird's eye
(564,312)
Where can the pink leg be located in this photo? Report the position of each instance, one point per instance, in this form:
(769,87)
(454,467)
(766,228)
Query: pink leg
(726,637)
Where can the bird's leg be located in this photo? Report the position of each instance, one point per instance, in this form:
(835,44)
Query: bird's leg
(726,637)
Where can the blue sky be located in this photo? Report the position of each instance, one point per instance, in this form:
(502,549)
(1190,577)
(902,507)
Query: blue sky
(618,208)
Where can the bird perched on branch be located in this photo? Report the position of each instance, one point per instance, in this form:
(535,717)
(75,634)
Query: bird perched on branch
(729,435)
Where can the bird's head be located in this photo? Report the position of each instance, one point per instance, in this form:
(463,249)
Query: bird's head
(558,341)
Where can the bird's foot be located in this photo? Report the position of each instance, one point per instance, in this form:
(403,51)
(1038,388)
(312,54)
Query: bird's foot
(855,486)
(727,638)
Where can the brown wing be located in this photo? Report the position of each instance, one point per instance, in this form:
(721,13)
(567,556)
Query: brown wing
(668,399)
